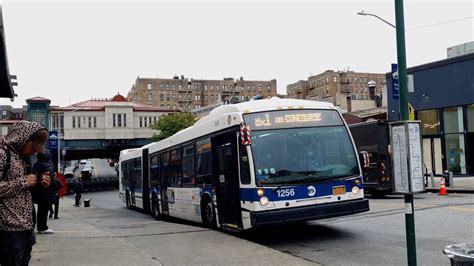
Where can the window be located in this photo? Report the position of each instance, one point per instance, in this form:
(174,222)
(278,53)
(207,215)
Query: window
(217,87)
(90,121)
(167,87)
(244,165)
(148,86)
(154,170)
(175,168)
(180,87)
(78,121)
(173,87)
(162,96)
(161,87)
(188,165)
(173,97)
(205,98)
(119,122)
(141,122)
(149,97)
(335,79)
(197,97)
(95,121)
(73,122)
(205,87)
(212,87)
(125,120)
(204,161)
(145,122)
(180,96)
(167,97)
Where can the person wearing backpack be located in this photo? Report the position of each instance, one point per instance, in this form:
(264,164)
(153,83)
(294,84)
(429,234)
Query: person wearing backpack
(44,196)
(17,238)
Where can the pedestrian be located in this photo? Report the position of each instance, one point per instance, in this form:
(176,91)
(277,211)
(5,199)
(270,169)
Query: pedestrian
(78,193)
(17,238)
(62,183)
(44,196)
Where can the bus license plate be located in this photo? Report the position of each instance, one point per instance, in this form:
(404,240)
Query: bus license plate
(340,190)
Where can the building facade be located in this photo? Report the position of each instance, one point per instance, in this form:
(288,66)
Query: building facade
(185,94)
(298,90)
(443,99)
(337,86)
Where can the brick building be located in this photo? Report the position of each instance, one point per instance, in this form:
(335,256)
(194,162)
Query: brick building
(337,86)
(181,93)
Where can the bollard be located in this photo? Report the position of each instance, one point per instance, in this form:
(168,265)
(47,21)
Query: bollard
(432,179)
(451,181)
(87,203)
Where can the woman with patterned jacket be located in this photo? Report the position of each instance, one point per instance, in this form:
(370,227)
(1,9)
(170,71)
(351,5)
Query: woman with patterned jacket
(24,138)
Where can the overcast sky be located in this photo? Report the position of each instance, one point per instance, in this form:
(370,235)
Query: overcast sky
(69,52)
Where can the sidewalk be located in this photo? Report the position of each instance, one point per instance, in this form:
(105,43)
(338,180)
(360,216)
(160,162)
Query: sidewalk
(93,236)
(461,185)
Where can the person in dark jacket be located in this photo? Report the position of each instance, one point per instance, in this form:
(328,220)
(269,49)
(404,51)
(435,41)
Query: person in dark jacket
(17,238)
(41,195)
(78,193)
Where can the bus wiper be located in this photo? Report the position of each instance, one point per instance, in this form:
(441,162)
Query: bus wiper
(286,183)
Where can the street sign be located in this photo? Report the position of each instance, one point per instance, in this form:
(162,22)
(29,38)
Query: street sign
(405,137)
(395,89)
(53,139)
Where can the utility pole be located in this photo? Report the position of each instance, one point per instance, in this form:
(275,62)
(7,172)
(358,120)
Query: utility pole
(402,76)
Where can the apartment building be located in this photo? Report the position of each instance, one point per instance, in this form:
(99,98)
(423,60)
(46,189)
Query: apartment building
(298,90)
(337,86)
(185,94)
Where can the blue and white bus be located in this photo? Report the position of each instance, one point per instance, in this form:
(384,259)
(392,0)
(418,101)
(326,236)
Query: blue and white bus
(251,164)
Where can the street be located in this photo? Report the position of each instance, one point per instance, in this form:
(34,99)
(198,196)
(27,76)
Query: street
(373,238)
(101,169)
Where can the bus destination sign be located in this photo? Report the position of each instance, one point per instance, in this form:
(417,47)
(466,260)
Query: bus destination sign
(293,118)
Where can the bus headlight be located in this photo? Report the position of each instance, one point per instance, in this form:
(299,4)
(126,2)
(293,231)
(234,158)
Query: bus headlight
(264,201)
(260,192)
(355,190)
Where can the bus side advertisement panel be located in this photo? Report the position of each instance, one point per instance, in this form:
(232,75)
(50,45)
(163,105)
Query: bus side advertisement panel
(184,203)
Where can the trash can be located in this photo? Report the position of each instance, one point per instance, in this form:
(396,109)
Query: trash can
(460,254)
(87,203)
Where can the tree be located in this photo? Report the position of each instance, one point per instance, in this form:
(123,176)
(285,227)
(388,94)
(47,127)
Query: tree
(172,123)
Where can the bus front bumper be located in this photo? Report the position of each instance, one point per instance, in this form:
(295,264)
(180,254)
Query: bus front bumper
(307,213)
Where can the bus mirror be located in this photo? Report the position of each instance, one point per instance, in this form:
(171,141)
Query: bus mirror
(245,134)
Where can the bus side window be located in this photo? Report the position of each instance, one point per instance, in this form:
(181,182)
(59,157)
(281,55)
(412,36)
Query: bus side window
(188,165)
(154,170)
(244,165)
(175,167)
(204,162)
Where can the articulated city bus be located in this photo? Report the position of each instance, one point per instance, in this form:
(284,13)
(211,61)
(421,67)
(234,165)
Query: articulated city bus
(251,164)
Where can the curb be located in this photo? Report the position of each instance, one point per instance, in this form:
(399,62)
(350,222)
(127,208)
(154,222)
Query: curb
(451,190)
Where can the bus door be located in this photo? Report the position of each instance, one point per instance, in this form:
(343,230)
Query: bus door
(227,181)
(132,182)
(164,160)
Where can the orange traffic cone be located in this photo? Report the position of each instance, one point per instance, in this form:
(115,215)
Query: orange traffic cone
(442,188)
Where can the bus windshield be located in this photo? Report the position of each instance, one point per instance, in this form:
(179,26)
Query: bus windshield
(297,155)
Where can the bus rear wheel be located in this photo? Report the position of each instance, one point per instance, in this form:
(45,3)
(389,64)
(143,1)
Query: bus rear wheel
(208,214)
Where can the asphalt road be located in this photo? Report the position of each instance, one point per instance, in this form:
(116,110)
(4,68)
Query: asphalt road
(373,238)
(101,169)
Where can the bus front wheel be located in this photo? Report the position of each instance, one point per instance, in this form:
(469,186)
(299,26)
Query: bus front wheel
(208,214)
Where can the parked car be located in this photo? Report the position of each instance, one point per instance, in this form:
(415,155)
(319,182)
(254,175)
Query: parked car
(86,173)
(83,161)
(69,172)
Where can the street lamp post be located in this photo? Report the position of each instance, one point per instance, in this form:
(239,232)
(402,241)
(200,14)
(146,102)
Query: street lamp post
(403,84)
